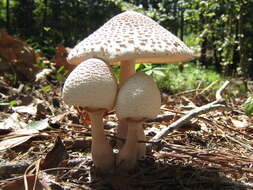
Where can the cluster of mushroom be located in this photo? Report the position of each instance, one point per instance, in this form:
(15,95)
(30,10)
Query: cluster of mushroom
(128,38)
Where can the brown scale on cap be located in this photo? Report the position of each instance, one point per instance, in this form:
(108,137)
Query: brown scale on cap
(131,36)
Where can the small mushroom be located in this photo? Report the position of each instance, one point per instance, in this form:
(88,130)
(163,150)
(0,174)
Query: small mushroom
(138,99)
(93,86)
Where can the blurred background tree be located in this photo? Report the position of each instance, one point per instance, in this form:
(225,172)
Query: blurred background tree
(220,31)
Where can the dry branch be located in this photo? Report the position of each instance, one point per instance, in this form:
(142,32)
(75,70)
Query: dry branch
(218,103)
(9,168)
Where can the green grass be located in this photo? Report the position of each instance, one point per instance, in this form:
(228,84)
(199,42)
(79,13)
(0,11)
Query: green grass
(192,77)
(170,79)
(248,106)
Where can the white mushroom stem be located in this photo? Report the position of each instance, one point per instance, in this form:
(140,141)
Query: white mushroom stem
(122,133)
(138,99)
(141,146)
(128,155)
(127,69)
(102,152)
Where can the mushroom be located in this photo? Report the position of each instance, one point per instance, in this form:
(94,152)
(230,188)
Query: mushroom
(138,99)
(93,86)
(130,38)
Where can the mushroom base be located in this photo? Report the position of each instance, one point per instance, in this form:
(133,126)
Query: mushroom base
(102,152)
(128,155)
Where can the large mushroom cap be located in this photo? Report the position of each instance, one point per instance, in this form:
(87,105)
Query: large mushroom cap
(91,84)
(131,36)
(138,99)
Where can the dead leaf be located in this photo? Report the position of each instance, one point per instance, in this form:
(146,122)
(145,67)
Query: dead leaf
(16,138)
(55,156)
(13,167)
(43,74)
(39,125)
(17,55)
(60,58)
(47,181)
(12,122)
(30,109)
(84,116)
(19,184)
(240,124)
(10,143)
(57,119)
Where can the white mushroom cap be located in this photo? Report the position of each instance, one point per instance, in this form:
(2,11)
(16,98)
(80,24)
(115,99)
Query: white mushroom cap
(131,36)
(92,85)
(138,99)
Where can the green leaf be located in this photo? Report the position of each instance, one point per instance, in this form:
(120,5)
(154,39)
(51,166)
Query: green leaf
(47,88)
(248,106)
(39,125)
(159,73)
(137,66)
(60,69)
(13,103)
(46,29)
(149,72)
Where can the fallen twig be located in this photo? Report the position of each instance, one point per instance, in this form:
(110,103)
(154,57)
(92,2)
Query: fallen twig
(218,103)
(9,168)
(208,87)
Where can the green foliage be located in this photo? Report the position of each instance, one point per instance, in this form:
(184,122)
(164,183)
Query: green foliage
(46,88)
(116,69)
(193,41)
(60,73)
(39,125)
(12,103)
(170,79)
(42,64)
(150,69)
(205,25)
(248,106)
(192,77)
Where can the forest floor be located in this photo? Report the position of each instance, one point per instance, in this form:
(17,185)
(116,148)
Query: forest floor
(46,144)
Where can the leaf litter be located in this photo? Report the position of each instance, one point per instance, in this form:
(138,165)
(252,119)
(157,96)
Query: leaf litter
(48,143)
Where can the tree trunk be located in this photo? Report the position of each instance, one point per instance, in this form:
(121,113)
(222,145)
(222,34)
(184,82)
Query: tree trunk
(217,61)
(229,49)
(182,24)
(235,59)
(44,20)
(175,17)
(236,55)
(242,64)
(203,52)
(8,15)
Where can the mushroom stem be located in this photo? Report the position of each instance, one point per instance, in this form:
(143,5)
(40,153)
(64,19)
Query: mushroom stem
(128,154)
(102,152)
(141,146)
(127,69)
(121,132)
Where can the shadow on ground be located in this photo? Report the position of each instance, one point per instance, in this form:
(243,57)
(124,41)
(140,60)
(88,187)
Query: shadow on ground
(162,175)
